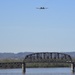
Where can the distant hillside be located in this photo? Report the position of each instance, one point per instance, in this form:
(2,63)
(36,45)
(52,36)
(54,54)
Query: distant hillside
(13,55)
(23,54)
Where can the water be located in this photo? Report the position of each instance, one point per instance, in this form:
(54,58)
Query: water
(37,71)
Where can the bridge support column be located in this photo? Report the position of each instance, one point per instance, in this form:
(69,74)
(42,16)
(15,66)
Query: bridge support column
(23,67)
(73,67)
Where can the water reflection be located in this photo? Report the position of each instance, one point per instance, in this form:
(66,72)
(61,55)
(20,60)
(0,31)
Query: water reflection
(73,72)
(37,74)
(49,74)
(38,71)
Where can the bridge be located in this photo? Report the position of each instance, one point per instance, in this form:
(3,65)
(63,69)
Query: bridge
(48,57)
(5,65)
(44,57)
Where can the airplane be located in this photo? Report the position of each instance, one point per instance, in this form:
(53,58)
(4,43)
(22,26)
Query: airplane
(41,8)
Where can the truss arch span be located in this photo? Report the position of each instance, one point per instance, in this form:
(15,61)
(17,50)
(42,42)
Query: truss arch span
(47,57)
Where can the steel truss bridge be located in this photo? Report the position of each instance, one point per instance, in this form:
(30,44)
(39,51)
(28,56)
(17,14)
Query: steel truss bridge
(48,57)
(41,57)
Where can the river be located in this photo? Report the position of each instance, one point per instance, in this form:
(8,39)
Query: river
(37,71)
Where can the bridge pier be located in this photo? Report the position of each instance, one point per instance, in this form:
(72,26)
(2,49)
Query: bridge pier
(73,67)
(23,67)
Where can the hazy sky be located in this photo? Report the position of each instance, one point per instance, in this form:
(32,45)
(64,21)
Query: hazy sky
(23,28)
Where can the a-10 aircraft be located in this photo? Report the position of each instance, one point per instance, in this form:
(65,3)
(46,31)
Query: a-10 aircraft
(42,8)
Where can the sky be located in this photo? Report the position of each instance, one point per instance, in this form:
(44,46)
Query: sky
(23,28)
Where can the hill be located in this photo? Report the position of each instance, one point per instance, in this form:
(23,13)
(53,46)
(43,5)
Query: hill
(14,55)
(22,55)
